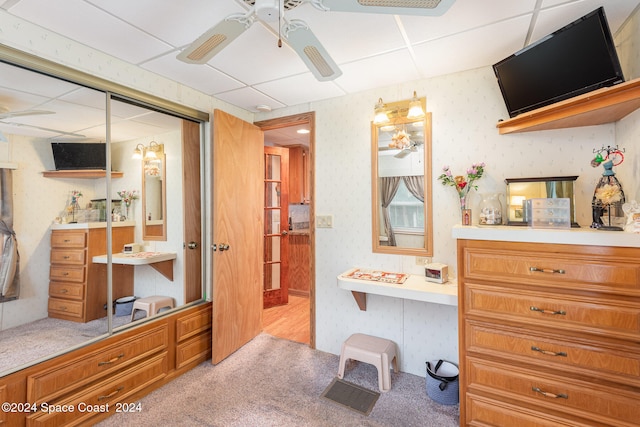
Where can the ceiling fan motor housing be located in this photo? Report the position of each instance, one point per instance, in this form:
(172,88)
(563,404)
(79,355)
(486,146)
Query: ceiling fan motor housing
(268,10)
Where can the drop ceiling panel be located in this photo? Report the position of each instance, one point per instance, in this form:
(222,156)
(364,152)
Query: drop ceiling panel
(444,54)
(465,15)
(91,26)
(299,89)
(203,78)
(349,36)
(248,98)
(176,22)
(374,72)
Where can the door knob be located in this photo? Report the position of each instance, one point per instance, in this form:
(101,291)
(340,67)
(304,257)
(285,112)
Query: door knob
(223,247)
(192,245)
(284,232)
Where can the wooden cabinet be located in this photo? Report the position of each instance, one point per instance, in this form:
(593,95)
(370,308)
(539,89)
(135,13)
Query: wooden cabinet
(77,286)
(549,334)
(91,383)
(299,191)
(299,268)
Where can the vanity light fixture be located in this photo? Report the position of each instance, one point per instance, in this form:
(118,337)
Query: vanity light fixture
(137,152)
(150,152)
(412,109)
(380,111)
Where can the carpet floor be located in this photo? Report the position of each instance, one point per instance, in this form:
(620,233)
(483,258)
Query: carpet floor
(275,382)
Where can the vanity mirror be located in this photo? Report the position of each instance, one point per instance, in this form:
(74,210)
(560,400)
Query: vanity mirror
(401,184)
(521,189)
(154,193)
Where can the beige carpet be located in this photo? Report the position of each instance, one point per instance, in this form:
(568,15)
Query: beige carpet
(275,382)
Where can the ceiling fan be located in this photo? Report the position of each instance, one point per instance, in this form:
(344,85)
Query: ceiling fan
(296,32)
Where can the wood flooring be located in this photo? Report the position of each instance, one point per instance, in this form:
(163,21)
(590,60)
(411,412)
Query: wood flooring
(290,321)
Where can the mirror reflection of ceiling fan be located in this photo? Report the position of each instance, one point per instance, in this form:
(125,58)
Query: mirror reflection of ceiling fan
(296,32)
(6,114)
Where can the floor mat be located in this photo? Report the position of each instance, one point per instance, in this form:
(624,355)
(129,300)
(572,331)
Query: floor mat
(351,396)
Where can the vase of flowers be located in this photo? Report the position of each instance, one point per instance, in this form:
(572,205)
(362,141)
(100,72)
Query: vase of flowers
(127,197)
(462,184)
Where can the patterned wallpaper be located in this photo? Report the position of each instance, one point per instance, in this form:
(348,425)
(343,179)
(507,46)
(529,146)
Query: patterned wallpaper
(465,107)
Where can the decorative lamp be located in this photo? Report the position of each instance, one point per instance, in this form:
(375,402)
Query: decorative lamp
(137,152)
(380,113)
(415,108)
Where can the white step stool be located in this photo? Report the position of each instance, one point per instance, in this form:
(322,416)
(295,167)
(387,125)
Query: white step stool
(151,305)
(373,350)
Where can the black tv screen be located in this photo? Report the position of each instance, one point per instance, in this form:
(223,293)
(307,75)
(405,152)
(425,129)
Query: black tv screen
(78,155)
(573,60)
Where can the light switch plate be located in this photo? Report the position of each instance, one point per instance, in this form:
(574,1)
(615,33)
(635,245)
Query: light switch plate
(324,221)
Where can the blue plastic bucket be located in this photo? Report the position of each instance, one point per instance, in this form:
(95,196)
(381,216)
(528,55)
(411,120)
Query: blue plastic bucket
(442,382)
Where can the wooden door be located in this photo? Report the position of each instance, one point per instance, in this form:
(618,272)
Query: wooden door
(237,233)
(276,227)
(192,211)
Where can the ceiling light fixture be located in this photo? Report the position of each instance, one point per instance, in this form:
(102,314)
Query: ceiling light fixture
(303,131)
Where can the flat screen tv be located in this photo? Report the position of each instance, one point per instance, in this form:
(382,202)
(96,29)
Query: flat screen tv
(573,60)
(79,155)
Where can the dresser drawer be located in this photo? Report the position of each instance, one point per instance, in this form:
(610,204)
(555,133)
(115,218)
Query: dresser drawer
(102,397)
(594,401)
(48,384)
(67,273)
(73,291)
(193,324)
(68,239)
(597,315)
(570,270)
(483,411)
(65,308)
(68,256)
(586,358)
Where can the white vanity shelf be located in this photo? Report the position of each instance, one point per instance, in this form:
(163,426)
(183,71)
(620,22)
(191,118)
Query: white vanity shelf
(415,288)
(160,261)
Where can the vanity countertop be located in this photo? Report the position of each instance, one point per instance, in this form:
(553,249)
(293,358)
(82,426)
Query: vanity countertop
(568,236)
(87,225)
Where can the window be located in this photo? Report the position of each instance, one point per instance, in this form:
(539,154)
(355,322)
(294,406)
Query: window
(406,212)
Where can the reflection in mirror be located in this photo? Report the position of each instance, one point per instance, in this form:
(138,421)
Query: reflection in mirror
(521,189)
(154,209)
(401,190)
(60,217)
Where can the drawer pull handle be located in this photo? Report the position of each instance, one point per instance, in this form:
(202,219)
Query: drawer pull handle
(113,393)
(109,362)
(548,352)
(66,257)
(64,291)
(547,394)
(542,310)
(66,273)
(547,270)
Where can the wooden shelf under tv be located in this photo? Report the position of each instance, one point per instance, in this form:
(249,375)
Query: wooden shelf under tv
(606,105)
(81,173)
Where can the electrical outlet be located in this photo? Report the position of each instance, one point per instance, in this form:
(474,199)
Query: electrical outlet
(421,260)
(324,221)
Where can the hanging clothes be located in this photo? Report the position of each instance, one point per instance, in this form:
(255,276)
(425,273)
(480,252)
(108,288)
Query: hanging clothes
(9,258)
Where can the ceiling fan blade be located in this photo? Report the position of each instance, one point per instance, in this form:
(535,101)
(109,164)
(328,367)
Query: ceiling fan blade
(310,50)
(394,7)
(216,38)
(45,129)
(402,153)
(9,115)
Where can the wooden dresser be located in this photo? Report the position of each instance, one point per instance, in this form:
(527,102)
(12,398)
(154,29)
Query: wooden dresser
(549,334)
(77,286)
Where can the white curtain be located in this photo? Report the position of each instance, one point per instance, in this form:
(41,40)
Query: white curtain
(10,258)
